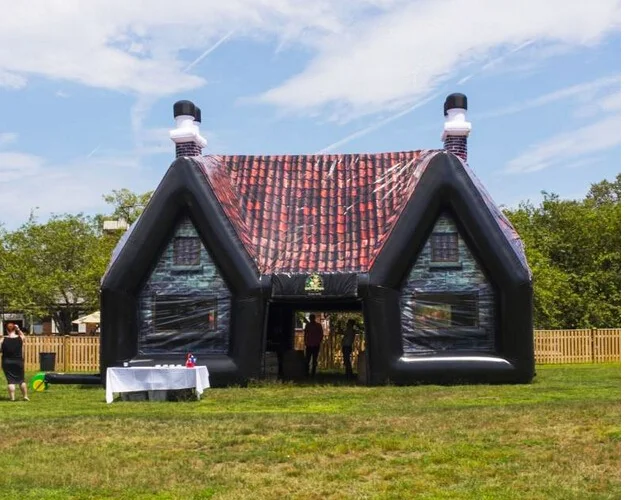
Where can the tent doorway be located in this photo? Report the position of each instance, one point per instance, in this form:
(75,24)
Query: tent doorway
(284,349)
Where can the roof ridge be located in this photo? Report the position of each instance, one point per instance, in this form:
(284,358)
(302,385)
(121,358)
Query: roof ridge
(321,155)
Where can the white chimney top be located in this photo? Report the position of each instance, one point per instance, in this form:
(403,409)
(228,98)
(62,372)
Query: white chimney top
(456,123)
(188,118)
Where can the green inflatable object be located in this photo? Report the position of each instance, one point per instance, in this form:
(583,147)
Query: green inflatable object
(38,382)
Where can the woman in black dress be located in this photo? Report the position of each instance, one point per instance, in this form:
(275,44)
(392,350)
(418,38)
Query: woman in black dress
(13,360)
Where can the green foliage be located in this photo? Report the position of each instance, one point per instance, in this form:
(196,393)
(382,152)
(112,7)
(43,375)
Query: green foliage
(338,321)
(54,268)
(605,192)
(574,250)
(126,204)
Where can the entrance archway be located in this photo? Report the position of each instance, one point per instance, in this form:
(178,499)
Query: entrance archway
(284,338)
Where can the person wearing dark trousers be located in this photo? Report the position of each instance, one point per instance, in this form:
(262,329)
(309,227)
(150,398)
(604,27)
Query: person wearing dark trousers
(11,347)
(347,347)
(313,335)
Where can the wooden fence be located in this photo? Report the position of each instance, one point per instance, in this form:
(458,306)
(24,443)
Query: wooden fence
(330,353)
(73,353)
(596,345)
(601,345)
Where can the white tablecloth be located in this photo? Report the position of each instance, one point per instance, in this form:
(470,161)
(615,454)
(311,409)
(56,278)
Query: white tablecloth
(153,378)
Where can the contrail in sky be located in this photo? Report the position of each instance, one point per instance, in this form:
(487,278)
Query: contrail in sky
(94,150)
(420,103)
(209,50)
(377,125)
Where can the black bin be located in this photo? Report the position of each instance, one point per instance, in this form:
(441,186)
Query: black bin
(47,361)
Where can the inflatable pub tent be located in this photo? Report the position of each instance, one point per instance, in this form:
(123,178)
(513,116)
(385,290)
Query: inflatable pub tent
(229,247)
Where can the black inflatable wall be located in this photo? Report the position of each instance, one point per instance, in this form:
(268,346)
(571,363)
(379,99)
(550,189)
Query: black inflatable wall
(183,193)
(447,188)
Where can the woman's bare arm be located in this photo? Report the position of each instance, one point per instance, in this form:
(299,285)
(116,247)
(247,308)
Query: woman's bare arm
(20,333)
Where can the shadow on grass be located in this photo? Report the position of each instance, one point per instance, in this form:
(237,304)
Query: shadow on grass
(325,378)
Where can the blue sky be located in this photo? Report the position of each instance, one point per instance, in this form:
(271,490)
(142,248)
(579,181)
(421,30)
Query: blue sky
(86,93)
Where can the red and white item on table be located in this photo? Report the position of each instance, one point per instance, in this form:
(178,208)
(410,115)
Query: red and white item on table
(190,361)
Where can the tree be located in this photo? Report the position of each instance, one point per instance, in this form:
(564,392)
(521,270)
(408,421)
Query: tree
(127,205)
(574,250)
(338,321)
(605,192)
(4,283)
(54,269)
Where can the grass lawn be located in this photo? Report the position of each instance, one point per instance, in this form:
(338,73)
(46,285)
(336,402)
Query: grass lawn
(558,438)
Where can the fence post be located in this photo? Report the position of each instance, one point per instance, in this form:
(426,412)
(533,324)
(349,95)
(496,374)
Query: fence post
(67,351)
(593,332)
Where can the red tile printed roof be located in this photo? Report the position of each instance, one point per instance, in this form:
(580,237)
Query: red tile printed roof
(322,213)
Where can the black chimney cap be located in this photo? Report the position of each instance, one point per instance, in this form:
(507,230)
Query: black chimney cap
(184,108)
(198,115)
(455,101)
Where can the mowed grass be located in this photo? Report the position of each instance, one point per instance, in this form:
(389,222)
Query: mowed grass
(558,438)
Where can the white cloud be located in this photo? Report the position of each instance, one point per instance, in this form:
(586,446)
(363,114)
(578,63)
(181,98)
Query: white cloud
(151,141)
(139,46)
(74,187)
(368,56)
(11,80)
(383,63)
(611,102)
(78,185)
(585,92)
(576,148)
(494,62)
(570,148)
(606,104)
(7,138)
(14,166)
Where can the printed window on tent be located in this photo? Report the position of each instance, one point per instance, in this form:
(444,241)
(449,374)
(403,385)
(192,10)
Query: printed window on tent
(187,251)
(444,247)
(446,310)
(182,314)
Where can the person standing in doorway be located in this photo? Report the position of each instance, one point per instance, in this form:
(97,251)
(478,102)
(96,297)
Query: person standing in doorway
(11,347)
(347,347)
(313,335)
